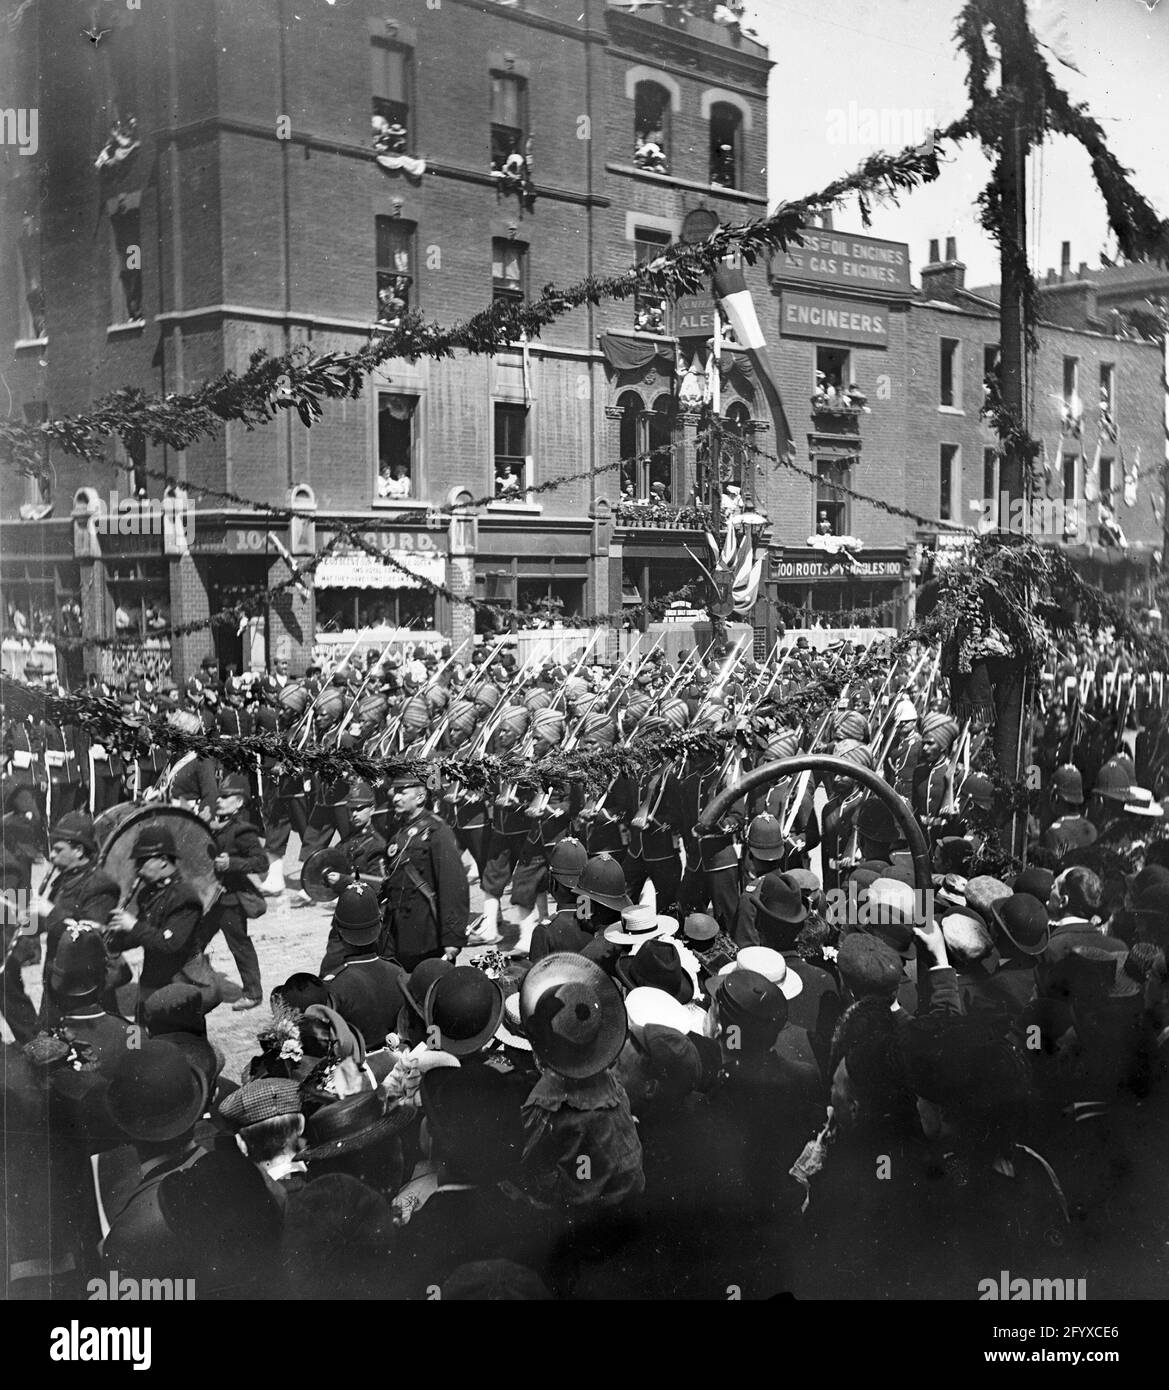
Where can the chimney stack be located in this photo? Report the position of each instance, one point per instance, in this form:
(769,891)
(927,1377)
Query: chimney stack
(1065,259)
(826,219)
(1082,273)
(941,280)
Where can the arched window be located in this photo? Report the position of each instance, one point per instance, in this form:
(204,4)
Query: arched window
(631,407)
(726,144)
(640,432)
(651,127)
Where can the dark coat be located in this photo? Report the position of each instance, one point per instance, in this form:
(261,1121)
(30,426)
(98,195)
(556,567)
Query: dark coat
(168,916)
(367,993)
(240,841)
(426,893)
(87,894)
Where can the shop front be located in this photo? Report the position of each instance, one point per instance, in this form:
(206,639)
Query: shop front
(40,582)
(363,605)
(807,588)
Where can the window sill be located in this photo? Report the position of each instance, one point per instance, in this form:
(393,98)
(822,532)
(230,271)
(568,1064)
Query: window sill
(130,326)
(401,504)
(21,344)
(523,508)
(950,410)
(717,190)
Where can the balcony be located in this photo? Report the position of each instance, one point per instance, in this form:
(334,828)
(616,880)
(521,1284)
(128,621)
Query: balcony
(661,516)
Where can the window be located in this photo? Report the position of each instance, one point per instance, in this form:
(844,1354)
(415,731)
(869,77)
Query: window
(990,477)
(950,392)
(30,295)
(125,266)
(649,310)
(1071,381)
(135,447)
(1108,398)
(833,371)
(726,144)
(343,610)
(832,514)
(508,267)
(737,459)
(395,268)
(511,453)
(38,489)
(391,96)
(646,478)
(990,365)
(1105,481)
(559,598)
(397,468)
(508,117)
(1070,478)
(949,482)
(651,127)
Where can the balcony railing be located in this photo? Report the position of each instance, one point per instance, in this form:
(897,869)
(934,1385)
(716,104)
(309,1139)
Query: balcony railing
(661,516)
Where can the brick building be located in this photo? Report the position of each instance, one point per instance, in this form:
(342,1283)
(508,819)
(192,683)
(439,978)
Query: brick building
(208,185)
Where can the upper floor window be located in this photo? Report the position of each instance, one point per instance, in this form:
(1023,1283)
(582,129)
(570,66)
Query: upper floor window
(649,308)
(395,268)
(647,446)
(1071,467)
(833,372)
(38,488)
(391,82)
(396,446)
(651,127)
(726,144)
(125,265)
(950,388)
(135,465)
(991,356)
(509,123)
(949,482)
(511,462)
(508,266)
(1108,397)
(737,458)
(30,290)
(832,514)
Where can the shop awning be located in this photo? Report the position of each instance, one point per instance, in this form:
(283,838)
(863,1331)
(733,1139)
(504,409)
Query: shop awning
(632,354)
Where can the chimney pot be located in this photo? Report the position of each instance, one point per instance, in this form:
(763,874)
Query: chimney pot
(951,248)
(1082,273)
(933,251)
(1065,258)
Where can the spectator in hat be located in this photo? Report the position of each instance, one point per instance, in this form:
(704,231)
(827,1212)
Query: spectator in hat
(1074,907)
(367,989)
(165,915)
(564,929)
(266,1118)
(239,854)
(359,1134)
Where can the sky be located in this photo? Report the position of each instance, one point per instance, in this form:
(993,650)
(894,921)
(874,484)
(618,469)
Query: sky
(844,66)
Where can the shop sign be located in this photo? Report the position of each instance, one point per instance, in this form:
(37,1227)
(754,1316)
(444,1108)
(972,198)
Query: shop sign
(694,316)
(845,261)
(362,571)
(820,567)
(828,319)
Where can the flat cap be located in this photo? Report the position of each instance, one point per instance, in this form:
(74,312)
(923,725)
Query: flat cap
(260,1100)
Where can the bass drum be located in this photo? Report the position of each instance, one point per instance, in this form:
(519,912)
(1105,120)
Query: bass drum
(108,821)
(193,840)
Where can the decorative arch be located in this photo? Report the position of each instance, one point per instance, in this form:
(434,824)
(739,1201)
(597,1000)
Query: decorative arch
(716,94)
(640,73)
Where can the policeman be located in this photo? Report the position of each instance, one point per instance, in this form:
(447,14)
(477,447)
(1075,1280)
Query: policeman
(239,852)
(366,989)
(426,896)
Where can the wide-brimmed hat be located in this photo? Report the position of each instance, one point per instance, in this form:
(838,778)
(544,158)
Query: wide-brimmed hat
(779,896)
(155,1094)
(511,1026)
(602,880)
(640,923)
(465,1006)
(646,1005)
(573,1014)
(344,1126)
(1023,920)
(771,965)
(658,965)
(1141,803)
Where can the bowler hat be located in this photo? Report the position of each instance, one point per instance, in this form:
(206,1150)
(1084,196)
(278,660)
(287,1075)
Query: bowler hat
(465,1006)
(155,1094)
(1038,882)
(573,1014)
(357,915)
(155,840)
(1022,919)
(417,986)
(77,828)
(779,896)
(175,1008)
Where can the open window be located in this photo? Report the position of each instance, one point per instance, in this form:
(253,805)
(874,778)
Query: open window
(397,450)
(509,96)
(651,127)
(125,262)
(511,461)
(832,505)
(647,444)
(833,368)
(395,269)
(726,144)
(30,295)
(949,481)
(391,85)
(649,309)
(508,268)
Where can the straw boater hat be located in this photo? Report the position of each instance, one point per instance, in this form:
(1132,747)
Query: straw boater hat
(771,965)
(640,923)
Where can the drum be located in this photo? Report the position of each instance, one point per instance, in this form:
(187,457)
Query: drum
(193,840)
(312,876)
(108,821)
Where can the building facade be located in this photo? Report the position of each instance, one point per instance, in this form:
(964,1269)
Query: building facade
(218,180)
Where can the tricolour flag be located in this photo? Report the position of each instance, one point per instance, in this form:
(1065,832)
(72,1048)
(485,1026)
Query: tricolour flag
(735,298)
